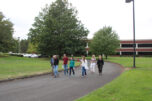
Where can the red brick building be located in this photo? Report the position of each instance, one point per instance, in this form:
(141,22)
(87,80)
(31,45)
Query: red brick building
(143,47)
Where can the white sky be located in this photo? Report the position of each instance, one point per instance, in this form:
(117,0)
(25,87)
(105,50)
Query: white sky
(94,14)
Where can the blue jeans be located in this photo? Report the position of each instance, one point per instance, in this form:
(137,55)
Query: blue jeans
(65,69)
(83,71)
(55,69)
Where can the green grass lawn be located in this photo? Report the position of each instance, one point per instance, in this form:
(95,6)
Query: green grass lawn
(141,62)
(12,67)
(132,85)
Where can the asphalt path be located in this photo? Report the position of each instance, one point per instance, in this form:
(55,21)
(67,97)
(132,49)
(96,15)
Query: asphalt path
(63,88)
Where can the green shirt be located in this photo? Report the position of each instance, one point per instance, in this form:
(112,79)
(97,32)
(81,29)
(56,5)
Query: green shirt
(72,63)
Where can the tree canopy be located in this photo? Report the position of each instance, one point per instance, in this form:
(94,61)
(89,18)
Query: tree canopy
(57,30)
(6,34)
(105,41)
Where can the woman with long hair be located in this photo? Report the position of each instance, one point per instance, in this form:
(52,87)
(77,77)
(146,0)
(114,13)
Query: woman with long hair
(84,65)
(93,64)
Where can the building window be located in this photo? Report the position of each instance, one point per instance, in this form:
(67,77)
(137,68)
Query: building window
(127,53)
(126,45)
(144,45)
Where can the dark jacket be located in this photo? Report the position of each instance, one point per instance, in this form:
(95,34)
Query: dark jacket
(100,62)
(56,61)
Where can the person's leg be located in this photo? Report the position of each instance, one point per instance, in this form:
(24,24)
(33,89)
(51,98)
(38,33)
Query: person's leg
(91,67)
(57,70)
(54,71)
(67,68)
(82,71)
(101,68)
(100,72)
(85,71)
(70,71)
(73,71)
(64,69)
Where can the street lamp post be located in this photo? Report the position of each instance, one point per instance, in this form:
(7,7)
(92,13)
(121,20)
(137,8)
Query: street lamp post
(87,49)
(18,44)
(134,45)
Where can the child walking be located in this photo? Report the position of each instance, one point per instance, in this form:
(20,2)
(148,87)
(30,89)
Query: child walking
(72,65)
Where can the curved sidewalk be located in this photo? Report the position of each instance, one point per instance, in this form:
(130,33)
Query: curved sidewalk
(64,88)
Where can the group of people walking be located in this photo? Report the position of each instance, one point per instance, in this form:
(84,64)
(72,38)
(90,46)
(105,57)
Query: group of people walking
(84,65)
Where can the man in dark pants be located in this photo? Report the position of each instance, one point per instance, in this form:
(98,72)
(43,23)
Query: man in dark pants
(100,64)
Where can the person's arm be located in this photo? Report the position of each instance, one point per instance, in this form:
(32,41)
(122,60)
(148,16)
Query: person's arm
(103,62)
(51,61)
(86,62)
(80,62)
(63,60)
(97,62)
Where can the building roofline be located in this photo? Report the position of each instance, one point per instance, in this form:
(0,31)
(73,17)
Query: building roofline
(136,39)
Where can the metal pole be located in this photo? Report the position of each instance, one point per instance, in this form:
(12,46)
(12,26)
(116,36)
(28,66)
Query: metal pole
(18,44)
(134,41)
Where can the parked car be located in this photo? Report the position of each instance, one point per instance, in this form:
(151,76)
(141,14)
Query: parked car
(34,56)
(27,55)
(31,55)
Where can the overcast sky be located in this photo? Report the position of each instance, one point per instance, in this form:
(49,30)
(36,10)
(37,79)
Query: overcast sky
(94,14)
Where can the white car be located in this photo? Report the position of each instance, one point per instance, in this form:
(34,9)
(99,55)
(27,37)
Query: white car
(34,56)
(27,55)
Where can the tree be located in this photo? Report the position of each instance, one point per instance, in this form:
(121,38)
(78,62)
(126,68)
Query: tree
(31,48)
(15,46)
(6,34)
(24,46)
(105,41)
(57,30)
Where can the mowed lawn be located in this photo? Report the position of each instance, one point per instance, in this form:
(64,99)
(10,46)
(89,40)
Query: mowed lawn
(132,85)
(12,67)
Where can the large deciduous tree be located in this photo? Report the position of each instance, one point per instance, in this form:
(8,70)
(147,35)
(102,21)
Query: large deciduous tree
(105,41)
(6,34)
(57,30)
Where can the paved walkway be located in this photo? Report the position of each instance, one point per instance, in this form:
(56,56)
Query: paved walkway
(64,88)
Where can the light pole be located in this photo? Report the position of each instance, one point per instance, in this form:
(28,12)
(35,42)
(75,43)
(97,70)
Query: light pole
(18,44)
(134,45)
(87,49)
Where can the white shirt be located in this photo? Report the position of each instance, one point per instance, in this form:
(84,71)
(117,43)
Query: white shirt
(84,64)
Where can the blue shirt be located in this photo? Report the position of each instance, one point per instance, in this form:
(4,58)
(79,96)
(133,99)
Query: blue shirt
(52,61)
